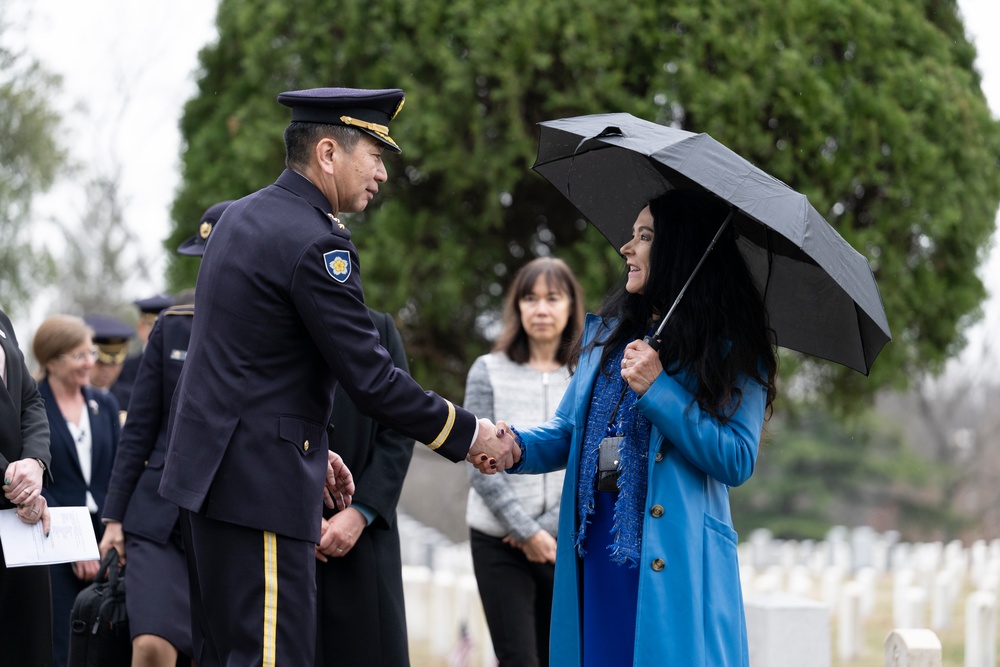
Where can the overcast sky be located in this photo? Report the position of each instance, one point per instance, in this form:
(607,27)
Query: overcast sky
(148,52)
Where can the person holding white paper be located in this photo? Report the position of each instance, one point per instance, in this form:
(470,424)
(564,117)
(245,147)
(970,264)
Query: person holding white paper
(25,596)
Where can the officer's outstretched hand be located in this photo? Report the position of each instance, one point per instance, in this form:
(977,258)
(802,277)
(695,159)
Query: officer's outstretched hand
(492,451)
(339,483)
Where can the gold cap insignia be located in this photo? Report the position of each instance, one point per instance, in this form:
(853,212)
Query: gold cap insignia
(205,229)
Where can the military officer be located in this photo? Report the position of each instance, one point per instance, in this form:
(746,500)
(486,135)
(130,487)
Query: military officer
(140,524)
(111,337)
(281,320)
(149,309)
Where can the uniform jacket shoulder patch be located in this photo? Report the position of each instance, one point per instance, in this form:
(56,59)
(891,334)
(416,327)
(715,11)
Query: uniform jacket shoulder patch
(338,264)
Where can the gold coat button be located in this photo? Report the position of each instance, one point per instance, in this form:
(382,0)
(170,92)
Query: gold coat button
(145,464)
(658,564)
(656,511)
(305,446)
(659,456)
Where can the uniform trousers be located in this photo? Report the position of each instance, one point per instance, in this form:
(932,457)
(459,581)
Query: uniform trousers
(517,600)
(253,594)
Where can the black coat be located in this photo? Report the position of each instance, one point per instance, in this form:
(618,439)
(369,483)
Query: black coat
(24,427)
(133,496)
(122,388)
(25,595)
(370,630)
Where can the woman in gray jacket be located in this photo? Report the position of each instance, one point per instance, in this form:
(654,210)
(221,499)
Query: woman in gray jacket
(512,519)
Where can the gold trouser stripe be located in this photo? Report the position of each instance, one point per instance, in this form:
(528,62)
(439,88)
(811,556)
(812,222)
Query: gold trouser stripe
(270,597)
(446,431)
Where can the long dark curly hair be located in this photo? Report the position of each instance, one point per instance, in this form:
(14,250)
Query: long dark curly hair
(719,331)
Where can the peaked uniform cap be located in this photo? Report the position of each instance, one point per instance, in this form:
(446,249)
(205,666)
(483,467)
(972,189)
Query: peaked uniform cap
(195,246)
(154,304)
(111,338)
(367,110)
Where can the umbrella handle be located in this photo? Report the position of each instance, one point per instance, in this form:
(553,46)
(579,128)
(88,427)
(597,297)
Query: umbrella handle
(654,341)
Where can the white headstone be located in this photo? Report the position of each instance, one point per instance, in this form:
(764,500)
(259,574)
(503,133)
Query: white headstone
(800,582)
(941,600)
(912,648)
(787,631)
(981,630)
(902,580)
(849,628)
(416,598)
(830,584)
(867,578)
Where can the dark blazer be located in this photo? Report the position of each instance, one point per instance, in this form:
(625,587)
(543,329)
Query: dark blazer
(281,320)
(25,593)
(68,487)
(24,428)
(122,388)
(133,497)
(371,631)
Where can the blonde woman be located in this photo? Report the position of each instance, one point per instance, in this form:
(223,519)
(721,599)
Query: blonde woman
(84,428)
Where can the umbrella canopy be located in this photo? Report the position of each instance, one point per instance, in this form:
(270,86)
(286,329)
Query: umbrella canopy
(820,293)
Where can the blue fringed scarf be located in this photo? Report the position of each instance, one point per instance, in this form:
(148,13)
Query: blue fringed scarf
(633,450)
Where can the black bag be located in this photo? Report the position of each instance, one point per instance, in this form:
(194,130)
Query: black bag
(99,635)
(608,461)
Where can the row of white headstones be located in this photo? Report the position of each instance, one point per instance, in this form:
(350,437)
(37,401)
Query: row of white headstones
(842,573)
(791,591)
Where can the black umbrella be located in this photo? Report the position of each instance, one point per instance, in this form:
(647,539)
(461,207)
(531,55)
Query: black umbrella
(819,292)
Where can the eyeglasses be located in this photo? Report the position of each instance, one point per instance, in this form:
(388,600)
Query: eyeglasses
(80,357)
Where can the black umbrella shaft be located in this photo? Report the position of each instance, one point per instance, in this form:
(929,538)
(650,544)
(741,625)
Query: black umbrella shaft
(654,340)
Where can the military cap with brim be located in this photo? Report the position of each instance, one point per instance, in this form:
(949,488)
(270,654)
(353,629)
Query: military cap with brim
(154,304)
(367,110)
(195,246)
(111,338)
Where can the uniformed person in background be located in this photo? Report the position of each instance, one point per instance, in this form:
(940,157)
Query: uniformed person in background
(111,337)
(362,562)
(149,309)
(281,320)
(141,525)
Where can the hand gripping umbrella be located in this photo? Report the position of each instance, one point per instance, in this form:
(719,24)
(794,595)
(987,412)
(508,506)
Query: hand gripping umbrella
(819,292)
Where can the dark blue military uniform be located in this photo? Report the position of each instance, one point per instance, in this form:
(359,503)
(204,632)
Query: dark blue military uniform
(156,579)
(281,320)
(149,309)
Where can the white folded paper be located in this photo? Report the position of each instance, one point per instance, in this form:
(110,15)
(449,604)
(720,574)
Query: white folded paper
(71,538)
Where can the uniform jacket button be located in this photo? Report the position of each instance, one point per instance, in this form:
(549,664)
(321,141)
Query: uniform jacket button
(658,565)
(659,456)
(145,464)
(656,511)
(305,446)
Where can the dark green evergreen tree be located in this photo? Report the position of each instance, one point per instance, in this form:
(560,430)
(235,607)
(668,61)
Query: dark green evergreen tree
(875,111)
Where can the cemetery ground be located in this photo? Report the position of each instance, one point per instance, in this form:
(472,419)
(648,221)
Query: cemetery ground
(435,493)
(875,630)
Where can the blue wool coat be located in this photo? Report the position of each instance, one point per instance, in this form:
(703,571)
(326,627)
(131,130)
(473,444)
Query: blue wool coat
(690,608)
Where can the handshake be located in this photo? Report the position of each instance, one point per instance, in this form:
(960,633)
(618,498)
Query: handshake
(494,449)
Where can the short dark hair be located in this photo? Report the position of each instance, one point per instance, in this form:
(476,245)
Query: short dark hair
(300,138)
(513,340)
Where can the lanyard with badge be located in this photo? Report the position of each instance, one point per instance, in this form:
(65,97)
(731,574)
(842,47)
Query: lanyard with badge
(608,459)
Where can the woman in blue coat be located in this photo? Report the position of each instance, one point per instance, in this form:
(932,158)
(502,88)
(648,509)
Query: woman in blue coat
(650,575)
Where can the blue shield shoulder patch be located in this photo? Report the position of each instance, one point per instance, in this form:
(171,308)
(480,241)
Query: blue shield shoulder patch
(338,264)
